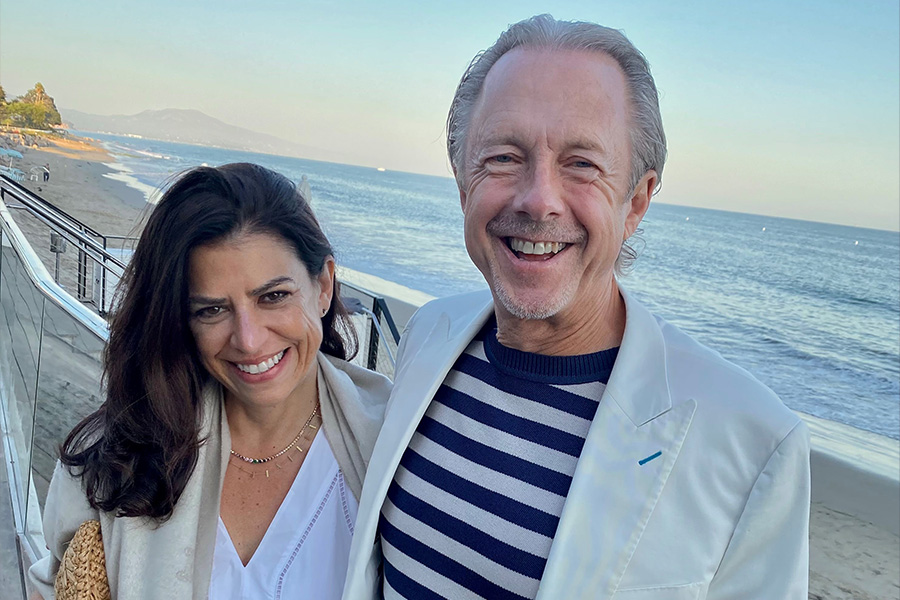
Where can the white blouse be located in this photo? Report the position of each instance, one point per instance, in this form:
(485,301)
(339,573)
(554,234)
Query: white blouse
(304,552)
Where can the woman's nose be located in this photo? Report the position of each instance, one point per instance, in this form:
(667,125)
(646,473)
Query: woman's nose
(249,331)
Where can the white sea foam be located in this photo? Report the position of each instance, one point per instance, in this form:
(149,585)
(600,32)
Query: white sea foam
(123,174)
(152,154)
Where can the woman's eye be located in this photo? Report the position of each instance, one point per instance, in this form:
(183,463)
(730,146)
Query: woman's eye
(208,312)
(274,297)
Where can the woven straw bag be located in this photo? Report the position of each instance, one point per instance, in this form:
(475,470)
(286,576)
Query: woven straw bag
(82,572)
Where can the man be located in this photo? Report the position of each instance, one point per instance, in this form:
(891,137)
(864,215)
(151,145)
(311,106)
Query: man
(552,439)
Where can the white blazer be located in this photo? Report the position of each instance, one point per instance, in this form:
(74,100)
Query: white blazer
(693,482)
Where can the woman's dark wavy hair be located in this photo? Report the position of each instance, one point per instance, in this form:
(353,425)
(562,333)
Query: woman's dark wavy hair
(136,453)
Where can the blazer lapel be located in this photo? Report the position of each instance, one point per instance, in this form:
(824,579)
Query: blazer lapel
(421,377)
(628,454)
(620,475)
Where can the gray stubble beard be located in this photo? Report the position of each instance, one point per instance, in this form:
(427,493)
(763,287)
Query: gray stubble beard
(523,228)
(521,311)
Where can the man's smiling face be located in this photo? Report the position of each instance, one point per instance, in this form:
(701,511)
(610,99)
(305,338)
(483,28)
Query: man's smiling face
(546,177)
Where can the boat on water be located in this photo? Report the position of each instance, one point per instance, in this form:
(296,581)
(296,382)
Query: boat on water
(52,335)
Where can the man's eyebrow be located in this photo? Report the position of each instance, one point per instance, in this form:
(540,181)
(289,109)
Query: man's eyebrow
(587,144)
(580,143)
(501,139)
(254,292)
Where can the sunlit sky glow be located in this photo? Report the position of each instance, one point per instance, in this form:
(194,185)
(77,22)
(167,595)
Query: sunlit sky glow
(782,108)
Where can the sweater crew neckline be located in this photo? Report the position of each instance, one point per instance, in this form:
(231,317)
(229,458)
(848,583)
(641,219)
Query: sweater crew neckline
(543,368)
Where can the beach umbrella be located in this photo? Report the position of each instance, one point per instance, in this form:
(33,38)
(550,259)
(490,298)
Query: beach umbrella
(11,154)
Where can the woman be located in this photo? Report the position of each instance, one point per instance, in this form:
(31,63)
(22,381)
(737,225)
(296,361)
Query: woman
(205,464)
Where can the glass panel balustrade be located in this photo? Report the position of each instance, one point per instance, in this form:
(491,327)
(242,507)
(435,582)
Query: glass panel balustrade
(20,340)
(68,389)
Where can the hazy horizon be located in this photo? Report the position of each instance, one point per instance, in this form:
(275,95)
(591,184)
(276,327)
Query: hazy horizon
(656,199)
(789,110)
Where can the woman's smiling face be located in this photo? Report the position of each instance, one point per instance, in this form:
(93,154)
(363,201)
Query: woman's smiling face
(256,316)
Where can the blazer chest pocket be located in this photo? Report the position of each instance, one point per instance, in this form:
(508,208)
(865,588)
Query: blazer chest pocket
(689,591)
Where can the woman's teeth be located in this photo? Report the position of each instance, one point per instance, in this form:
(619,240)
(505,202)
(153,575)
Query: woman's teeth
(263,366)
(538,248)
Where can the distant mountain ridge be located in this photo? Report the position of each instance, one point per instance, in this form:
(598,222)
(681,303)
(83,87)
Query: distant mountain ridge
(189,126)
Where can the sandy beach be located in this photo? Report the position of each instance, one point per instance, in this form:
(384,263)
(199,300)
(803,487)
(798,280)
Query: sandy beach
(80,186)
(77,184)
(849,558)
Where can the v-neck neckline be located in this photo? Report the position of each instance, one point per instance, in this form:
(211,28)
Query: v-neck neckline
(301,473)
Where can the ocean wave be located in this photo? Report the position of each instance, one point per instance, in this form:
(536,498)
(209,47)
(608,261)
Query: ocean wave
(125,175)
(152,154)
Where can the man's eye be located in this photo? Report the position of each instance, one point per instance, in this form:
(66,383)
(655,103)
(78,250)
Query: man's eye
(274,297)
(502,159)
(583,164)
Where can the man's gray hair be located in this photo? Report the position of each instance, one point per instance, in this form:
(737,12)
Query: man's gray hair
(648,140)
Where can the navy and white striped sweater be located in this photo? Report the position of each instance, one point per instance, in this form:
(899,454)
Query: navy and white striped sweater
(477,497)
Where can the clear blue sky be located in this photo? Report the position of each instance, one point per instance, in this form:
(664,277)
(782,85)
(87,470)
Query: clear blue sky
(789,108)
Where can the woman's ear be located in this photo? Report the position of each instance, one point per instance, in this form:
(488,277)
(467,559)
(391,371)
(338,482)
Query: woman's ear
(326,285)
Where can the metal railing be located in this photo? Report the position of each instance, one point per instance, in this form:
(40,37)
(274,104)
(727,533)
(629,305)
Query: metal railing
(380,348)
(51,346)
(98,269)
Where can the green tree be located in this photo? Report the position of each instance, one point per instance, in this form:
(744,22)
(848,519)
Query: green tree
(38,96)
(23,114)
(36,109)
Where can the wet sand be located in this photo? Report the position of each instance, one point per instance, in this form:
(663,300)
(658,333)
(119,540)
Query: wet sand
(77,184)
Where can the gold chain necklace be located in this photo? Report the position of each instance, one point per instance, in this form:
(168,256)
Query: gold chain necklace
(257,461)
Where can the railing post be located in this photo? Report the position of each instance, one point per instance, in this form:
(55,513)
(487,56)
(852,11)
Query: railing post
(103,284)
(372,361)
(82,271)
(57,247)
(388,319)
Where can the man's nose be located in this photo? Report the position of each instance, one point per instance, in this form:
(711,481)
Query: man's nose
(249,331)
(540,195)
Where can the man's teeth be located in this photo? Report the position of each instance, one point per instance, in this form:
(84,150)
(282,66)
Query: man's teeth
(263,366)
(526,247)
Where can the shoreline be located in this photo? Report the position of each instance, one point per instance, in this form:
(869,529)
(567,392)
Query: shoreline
(121,173)
(83,183)
(849,557)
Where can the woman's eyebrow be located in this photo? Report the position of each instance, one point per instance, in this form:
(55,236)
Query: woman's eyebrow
(254,292)
(270,284)
(205,300)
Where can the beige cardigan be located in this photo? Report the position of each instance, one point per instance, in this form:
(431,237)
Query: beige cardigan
(173,560)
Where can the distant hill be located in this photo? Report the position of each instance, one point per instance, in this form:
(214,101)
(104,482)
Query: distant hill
(189,127)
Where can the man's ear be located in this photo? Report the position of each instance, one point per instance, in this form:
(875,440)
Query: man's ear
(640,202)
(462,192)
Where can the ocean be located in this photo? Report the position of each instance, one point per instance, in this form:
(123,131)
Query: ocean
(811,309)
